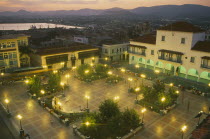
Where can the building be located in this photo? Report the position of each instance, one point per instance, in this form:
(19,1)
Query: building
(10,56)
(73,55)
(115,52)
(178,49)
(81,39)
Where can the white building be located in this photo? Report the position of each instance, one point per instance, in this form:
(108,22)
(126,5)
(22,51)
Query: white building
(80,39)
(178,49)
(115,52)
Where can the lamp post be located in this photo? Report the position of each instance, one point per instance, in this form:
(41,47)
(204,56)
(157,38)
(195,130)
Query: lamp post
(110,73)
(200,114)
(26,81)
(143,76)
(87,98)
(163,100)
(130,80)
(21,128)
(62,85)
(7,102)
(137,90)
(171,84)
(67,76)
(183,129)
(42,92)
(157,72)
(137,66)
(55,71)
(116,98)
(143,111)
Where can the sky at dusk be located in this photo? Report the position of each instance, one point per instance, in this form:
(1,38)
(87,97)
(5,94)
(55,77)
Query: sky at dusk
(46,5)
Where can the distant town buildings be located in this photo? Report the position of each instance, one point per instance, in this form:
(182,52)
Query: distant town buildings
(178,49)
(11,56)
(81,39)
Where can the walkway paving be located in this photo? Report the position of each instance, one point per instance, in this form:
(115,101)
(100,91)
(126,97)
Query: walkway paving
(36,121)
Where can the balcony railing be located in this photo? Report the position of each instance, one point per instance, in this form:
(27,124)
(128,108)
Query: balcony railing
(170,59)
(205,66)
(138,53)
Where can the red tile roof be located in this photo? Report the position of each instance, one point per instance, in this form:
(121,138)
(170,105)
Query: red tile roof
(203,46)
(151,39)
(183,27)
(57,50)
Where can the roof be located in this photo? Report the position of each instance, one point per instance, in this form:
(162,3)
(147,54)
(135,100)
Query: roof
(13,36)
(74,47)
(151,39)
(183,27)
(169,51)
(203,46)
(143,47)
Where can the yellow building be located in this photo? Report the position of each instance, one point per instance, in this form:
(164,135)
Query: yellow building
(73,55)
(10,57)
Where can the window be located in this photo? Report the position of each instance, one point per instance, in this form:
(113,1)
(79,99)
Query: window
(132,57)
(112,50)
(163,38)
(105,51)
(192,59)
(1,57)
(152,52)
(183,41)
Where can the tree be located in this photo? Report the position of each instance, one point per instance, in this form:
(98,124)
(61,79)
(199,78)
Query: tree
(130,120)
(101,70)
(108,109)
(35,85)
(54,82)
(159,86)
(89,126)
(85,71)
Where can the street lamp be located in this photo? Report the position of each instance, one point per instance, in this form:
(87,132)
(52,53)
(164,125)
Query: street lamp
(26,81)
(87,71)
(2,74)
(122,70)
(209,84)
(55,71)
(116,98)
(67,76)
(137,66)
(87,98)
(163,100)
(105,65)
(137,90)
(183,129)
(42,92)
(7,102)
(87,123)
(177,92)
(110,72)
(106,59)
(143,111)
(157,72)
(171,84)
(59,105)
(143,76)
(21,128)
(130,80)
(62,85)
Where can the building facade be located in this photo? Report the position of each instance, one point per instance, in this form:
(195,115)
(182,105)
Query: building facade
(115,52)
(10,56)
(65,57)
(178,49)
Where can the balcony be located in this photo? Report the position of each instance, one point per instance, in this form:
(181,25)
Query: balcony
(205,66)
(138,53)
(170,59)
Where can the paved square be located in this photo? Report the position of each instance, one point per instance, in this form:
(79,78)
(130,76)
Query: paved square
(36,120)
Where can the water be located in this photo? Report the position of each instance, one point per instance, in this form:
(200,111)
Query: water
(27,26)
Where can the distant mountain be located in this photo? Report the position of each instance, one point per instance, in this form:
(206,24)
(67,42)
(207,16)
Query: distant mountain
(171,11)
(187,10)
